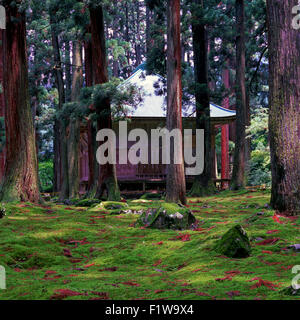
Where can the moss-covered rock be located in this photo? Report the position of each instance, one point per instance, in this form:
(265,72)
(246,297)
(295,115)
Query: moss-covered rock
(166,216)
(113,207)
(234,243)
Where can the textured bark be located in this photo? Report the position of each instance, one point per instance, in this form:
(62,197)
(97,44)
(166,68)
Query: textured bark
(176,186)
(238,174)
(68,71)
(20,181)
(74,125)
(284,121)
(225,134)
(107,178)
(90,128)
(60,126)
(203,183)
(2,108)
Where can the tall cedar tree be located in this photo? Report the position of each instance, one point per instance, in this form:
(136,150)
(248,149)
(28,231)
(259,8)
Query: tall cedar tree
(74,124)
(107,179)
(62,170)
(21,169)
(88,60)
(238,174)
(176,186)
(284,96)
(203,183)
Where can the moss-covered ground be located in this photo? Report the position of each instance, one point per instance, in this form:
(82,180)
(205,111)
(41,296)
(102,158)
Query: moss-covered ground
(60,252)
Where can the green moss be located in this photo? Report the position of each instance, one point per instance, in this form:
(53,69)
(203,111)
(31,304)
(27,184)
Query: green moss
(151,196)
(87,202)
(33,239)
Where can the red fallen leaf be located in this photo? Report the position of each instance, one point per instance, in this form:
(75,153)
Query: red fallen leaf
(267,241)
(181,266)
(75,260)
(287,268)
(73,275)
(158,262)
(158,291)
(50,272)
(225,278)
(272,231)
(67,253)
(89,265)
(196,270)
(211,228)
(268,252)
(130,283)
(233,273)
(276,219)
(262,282)
(159,243)
(18,270)
(60,294)
(184,237)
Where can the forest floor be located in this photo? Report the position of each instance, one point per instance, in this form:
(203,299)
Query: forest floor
(60,252)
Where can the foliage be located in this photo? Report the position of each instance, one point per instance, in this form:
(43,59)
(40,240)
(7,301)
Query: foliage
(260,165)
(46,175)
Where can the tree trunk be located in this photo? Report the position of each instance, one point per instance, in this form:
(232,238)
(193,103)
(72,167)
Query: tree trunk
(90,127)
(2,110)
(238,174)
(21,169)
(107,179)
(176,187)
(284,99)
(203,184)
(74,125)
(68,71)
(60,125)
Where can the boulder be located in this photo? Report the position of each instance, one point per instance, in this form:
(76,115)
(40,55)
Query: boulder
(166,216)
(234,243)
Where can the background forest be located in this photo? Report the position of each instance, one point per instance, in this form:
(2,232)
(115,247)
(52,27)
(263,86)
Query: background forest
(136,33)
